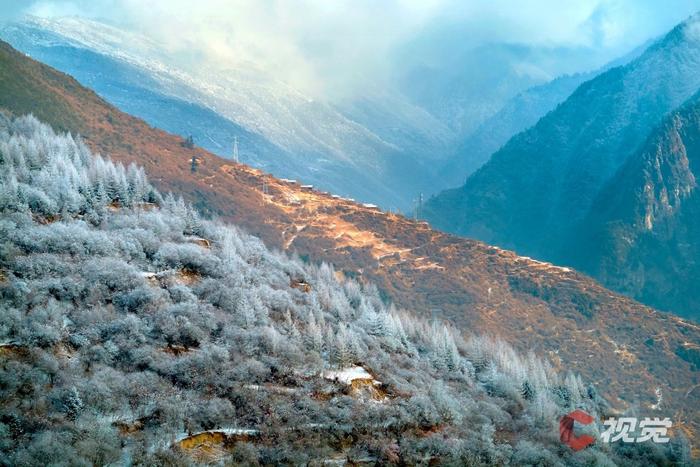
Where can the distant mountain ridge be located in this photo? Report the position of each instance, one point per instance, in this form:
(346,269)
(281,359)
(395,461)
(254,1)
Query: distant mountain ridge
(374,153)
(384,147)
(456,85)
(135,91)
(517,114)
(541,184)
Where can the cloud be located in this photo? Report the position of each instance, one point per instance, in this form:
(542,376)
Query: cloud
(12,9)
(325,46)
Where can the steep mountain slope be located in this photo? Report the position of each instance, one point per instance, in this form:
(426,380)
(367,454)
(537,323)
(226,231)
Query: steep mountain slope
(641,236)
(135,91)
(282,130)
(555,311)
(227,352)
(541,184)
(462,81)
(517,114)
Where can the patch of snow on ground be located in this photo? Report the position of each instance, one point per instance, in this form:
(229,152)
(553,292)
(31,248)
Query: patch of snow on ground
(348,375)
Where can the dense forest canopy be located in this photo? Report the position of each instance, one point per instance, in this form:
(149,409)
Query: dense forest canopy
(128,325)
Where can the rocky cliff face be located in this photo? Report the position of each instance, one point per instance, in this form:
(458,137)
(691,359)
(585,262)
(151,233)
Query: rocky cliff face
(641,236)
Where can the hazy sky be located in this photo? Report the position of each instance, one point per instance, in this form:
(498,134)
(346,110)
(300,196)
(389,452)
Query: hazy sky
(323,43)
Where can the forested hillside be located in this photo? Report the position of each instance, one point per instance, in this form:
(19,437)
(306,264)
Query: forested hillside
(566,316)
(132,331)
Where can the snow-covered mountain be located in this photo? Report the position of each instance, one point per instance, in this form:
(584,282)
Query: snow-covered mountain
(385,146)
(374,152)
(398,139)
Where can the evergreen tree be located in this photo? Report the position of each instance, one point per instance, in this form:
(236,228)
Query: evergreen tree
(193,225)
(527,391)
(340,355)
(291,327)
(100,198)
(376,324)
(574,388)
(681,453)
(313,335)
(72,403)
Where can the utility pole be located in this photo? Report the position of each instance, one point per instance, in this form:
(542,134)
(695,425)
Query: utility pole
(235,149)
(419,207)
(188,143)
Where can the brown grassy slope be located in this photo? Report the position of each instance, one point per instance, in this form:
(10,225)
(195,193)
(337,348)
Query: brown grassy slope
(627,349)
